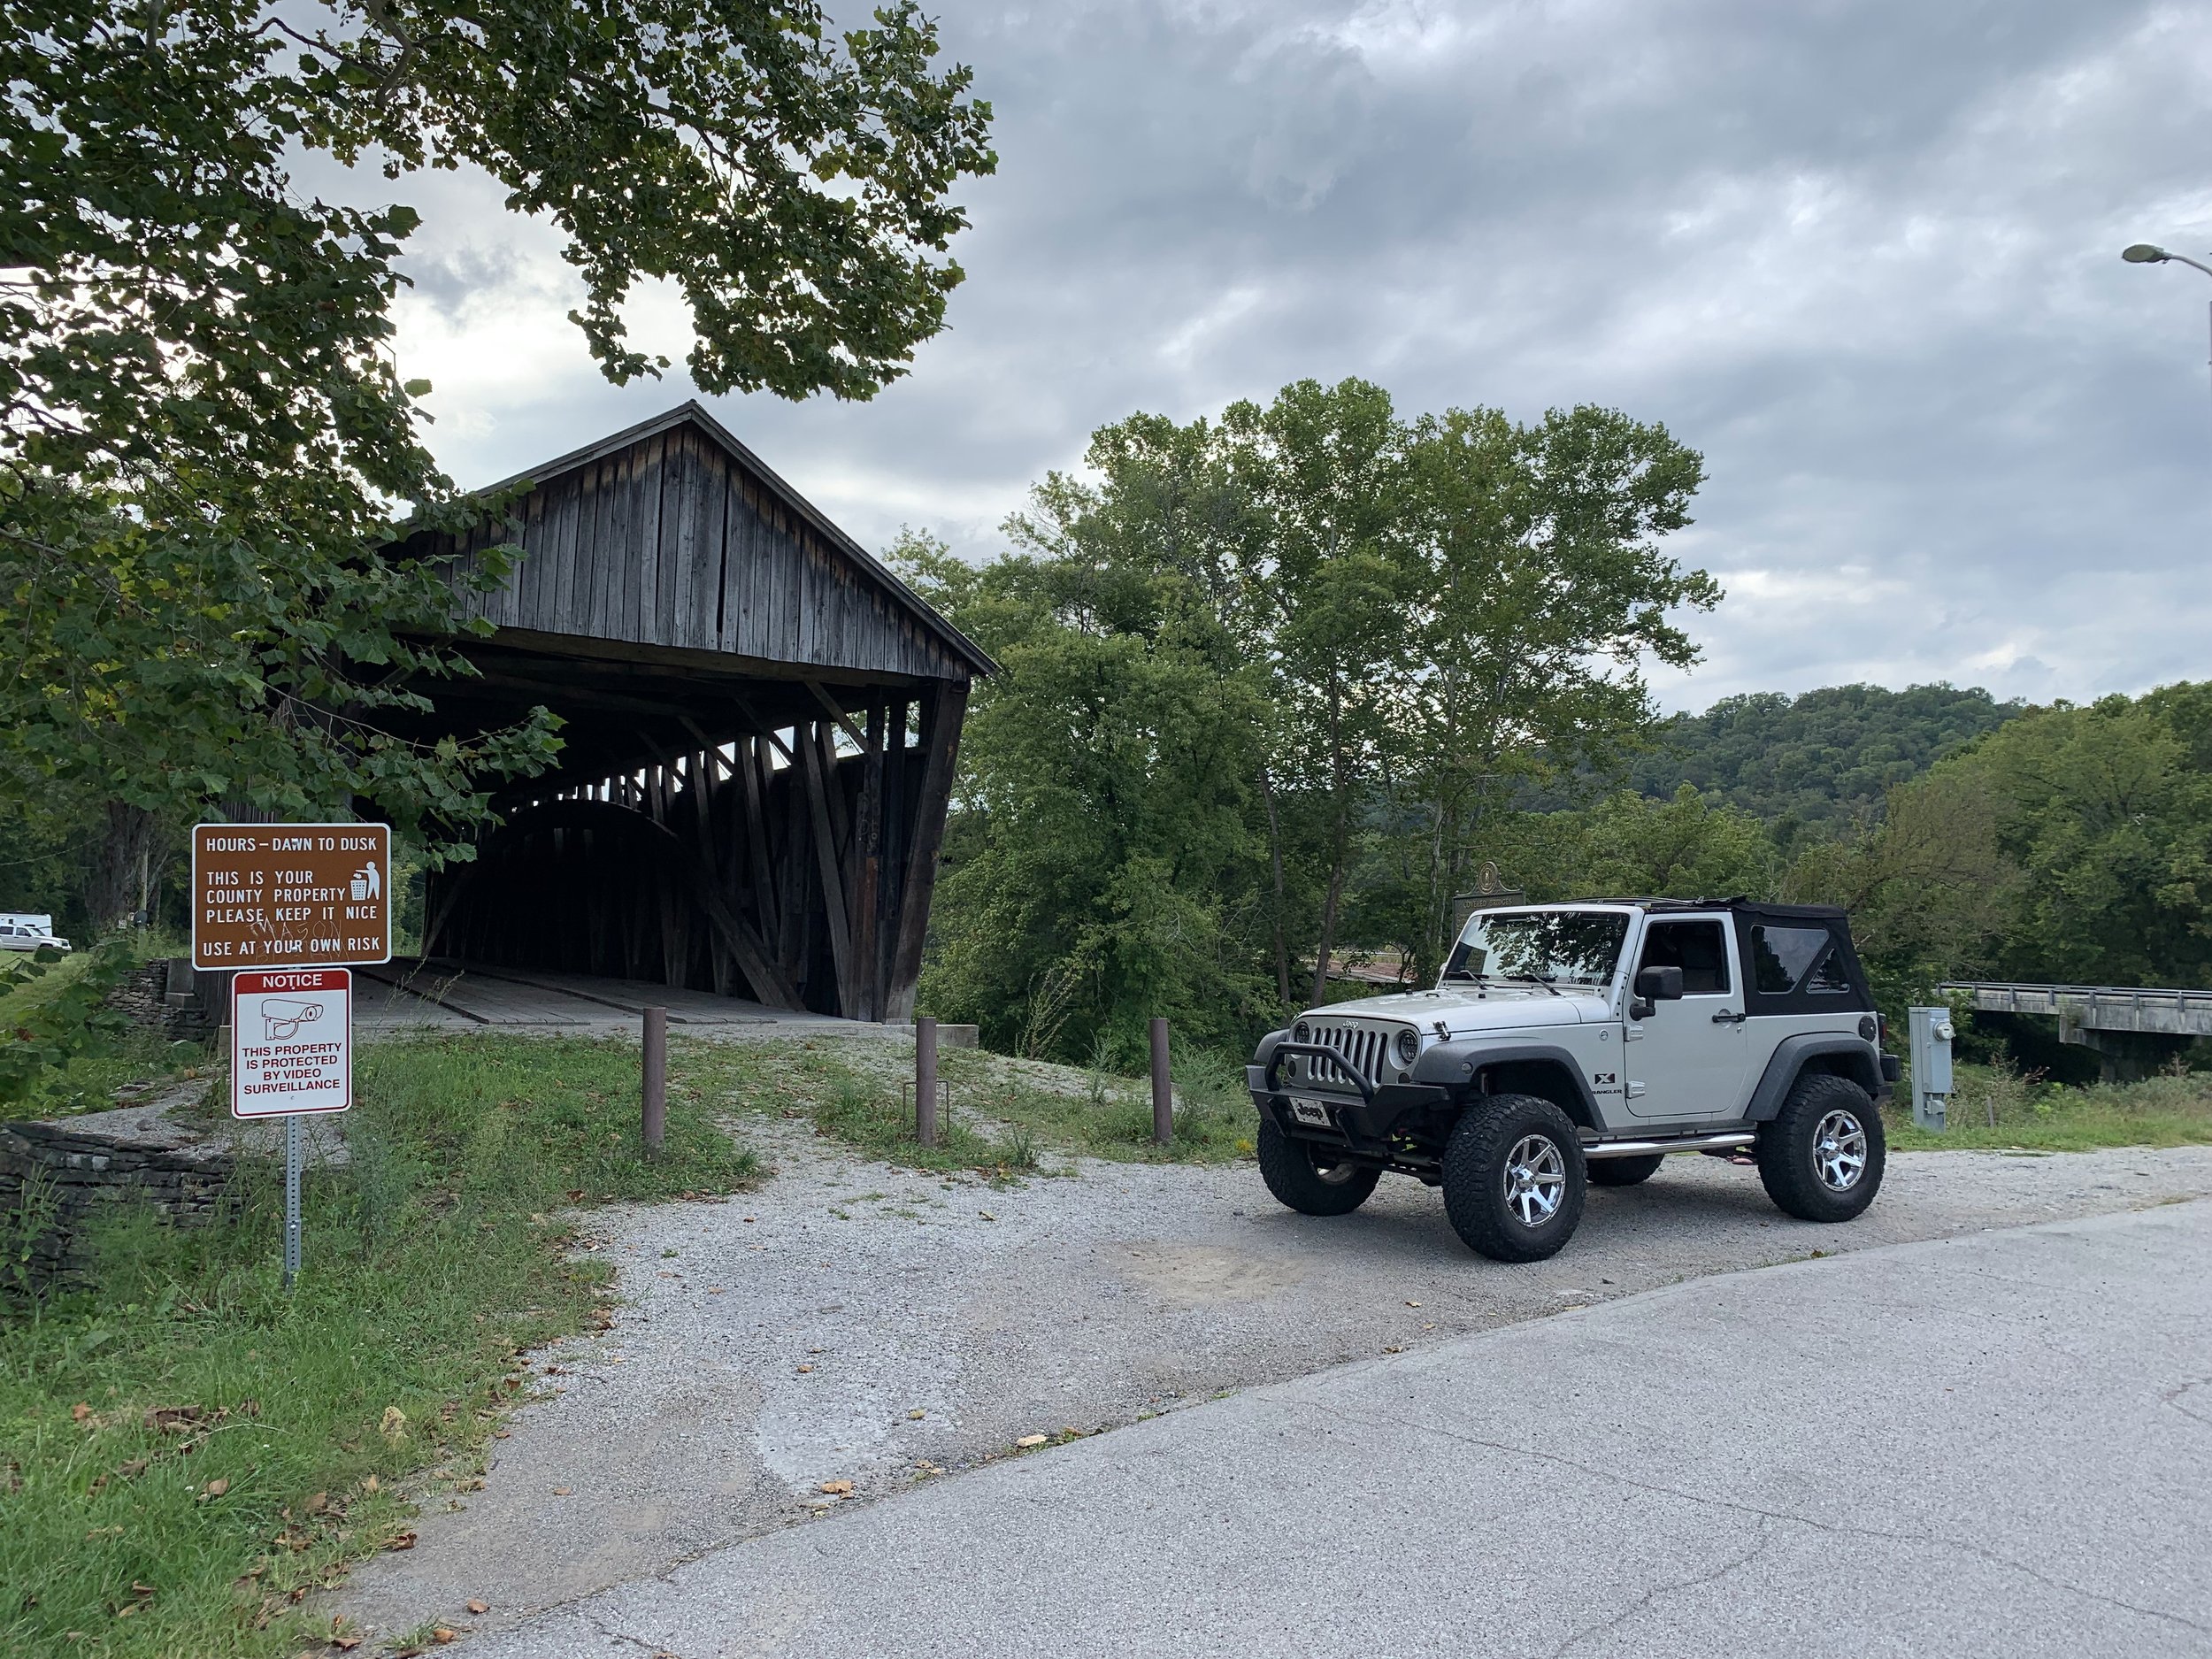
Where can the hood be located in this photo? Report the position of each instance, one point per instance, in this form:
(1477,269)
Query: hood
(1468,1009)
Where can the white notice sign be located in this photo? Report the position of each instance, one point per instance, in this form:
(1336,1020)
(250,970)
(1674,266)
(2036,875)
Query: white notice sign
(291,1044)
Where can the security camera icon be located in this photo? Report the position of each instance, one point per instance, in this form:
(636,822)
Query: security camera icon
(280,1021)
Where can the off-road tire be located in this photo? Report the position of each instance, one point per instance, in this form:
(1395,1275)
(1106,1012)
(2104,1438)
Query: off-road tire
(1624,1171)
(1800,1166)
(1478,1173)
(1294,1172)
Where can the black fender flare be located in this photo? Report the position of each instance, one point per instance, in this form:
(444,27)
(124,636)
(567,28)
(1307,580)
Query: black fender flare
(1454,1065)
(1861,1064)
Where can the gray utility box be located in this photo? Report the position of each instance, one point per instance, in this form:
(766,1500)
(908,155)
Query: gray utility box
(1931,1033)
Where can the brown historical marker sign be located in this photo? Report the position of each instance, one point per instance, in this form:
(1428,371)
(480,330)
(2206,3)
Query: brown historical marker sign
(291,895)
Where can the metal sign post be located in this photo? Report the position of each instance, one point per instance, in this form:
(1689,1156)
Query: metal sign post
(291,1057)
(291,1198)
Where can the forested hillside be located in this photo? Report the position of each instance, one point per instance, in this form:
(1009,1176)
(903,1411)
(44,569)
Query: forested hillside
(1824,757)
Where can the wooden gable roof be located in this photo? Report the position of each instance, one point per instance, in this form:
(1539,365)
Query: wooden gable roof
(672,536)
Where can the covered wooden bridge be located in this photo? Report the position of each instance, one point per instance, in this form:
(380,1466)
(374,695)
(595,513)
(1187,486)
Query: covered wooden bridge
(760,727)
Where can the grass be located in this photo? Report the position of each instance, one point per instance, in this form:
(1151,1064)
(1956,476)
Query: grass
(1996,1107)
(186,1450)
(1004,1114)
(88,1083)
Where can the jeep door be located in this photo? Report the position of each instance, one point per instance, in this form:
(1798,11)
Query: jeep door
(1687,1059)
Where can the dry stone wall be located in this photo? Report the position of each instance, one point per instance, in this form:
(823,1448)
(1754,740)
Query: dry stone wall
(57,1178)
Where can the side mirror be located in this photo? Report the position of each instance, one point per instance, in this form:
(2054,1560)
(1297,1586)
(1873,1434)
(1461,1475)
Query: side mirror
(1654,985)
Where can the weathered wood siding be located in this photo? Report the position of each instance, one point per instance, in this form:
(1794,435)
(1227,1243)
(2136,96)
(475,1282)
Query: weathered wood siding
(672,543)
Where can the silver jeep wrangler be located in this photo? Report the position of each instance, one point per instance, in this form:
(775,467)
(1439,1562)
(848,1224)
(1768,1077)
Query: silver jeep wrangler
(1572,1043)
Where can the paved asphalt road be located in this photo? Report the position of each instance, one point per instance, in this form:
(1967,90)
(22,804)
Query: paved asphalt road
(1998,1444)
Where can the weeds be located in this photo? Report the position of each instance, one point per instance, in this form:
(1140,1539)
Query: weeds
(161,1427)
(1997,1105)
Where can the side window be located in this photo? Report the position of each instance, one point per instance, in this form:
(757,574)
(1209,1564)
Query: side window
(1781,955)
(1698,949)
(1829,978)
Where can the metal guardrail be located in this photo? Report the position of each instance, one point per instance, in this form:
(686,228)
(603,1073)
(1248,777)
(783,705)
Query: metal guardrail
(2176,1012)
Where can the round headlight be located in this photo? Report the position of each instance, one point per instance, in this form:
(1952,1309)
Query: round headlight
(1301,1033)
(1408,1045)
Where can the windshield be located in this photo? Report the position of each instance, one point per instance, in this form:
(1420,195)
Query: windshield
(1547,947)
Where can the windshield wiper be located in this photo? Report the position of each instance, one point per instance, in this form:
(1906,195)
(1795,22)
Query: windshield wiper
(1530,979)
(1461,973)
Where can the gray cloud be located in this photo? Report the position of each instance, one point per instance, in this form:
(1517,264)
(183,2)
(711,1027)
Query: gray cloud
(1862,256)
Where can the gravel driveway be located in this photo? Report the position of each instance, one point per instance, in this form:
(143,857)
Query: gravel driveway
(851,1322)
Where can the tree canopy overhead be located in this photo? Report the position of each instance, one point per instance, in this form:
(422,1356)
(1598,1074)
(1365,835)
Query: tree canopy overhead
(204,441)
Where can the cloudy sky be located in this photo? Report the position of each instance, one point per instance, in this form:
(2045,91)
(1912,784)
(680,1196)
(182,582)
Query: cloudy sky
(1860,253)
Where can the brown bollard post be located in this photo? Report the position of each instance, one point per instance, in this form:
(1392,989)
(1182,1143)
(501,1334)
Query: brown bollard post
(1163,1091)
(655,1114)
(926,1082)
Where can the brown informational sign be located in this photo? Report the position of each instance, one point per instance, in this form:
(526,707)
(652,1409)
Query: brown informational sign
(291,895)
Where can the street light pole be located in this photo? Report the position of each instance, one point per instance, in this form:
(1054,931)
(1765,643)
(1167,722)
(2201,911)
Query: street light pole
(2150,253)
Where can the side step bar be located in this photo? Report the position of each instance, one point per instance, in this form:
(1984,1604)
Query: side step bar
(1687,1143)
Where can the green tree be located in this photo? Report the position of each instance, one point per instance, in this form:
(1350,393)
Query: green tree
(1255,670)
(1102,858)
(205,448)
(1630,846)
(1538,591)
(1327,469)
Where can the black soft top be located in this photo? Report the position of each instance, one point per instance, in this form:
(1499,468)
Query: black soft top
(1780,912)
(1752,914)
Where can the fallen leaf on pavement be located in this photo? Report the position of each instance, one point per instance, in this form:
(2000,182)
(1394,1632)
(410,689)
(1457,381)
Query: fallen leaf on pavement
(986,1215)
(837,1488)
(480,1607)
(404,1540)
(916,1415)
(441,1635)
(1413,1304)
(1031,1439)
(806,1367)
(561,1492)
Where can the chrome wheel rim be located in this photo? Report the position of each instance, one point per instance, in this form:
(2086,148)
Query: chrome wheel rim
(1840,1151)
(1535,1179)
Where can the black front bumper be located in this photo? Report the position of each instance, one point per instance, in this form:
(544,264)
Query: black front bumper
(1367,1124)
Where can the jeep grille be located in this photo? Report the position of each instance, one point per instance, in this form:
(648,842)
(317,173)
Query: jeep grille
(1365,1047)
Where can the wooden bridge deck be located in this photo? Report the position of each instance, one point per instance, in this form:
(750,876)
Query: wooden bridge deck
(460,994)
